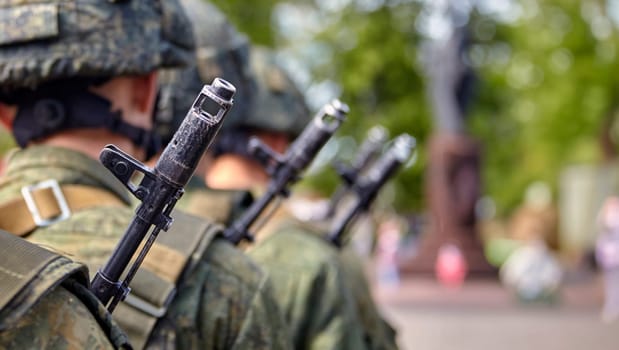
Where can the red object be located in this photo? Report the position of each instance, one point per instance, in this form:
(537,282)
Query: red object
(451,267)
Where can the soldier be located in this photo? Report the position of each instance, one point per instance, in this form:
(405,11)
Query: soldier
(75,76)
(379,334)
(45,302)
(305,270)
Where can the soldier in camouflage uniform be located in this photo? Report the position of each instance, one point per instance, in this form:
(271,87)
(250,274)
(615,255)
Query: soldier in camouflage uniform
(379,334)
(305,270)
(74,76)
(45,303)
(288,247)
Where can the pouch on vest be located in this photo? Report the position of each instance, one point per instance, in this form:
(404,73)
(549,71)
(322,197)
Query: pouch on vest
(28,273)
(174,255)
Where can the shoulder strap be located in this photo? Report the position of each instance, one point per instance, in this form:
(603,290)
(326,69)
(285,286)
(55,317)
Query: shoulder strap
(29,272)
(47,202)
(173,256)
(220,206)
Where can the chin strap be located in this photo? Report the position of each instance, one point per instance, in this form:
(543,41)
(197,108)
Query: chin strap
(42,116)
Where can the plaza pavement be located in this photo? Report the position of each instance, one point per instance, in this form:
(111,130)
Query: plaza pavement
(481,315)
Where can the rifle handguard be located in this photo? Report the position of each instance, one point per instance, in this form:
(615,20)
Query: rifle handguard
(368,151)
(367,186)
(160,187)
(285,169)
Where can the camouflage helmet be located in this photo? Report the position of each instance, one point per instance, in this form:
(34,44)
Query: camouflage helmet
(221,51)
(49,40)
(278,105)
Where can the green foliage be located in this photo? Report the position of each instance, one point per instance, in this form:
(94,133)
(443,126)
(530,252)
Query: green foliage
(543,108)
(252,18)
(547,83)
(381,84)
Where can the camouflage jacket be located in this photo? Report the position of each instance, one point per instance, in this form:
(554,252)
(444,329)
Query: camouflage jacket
(378,333)
(225,302)
(58,321)
(306,274)
(45,303)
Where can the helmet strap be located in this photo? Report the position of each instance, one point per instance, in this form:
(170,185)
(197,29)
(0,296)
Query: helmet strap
(45,114)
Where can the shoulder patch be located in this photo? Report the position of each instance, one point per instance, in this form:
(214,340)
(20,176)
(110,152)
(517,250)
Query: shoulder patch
(38,21)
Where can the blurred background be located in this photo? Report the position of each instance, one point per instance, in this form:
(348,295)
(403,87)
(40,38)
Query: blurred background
(488,237)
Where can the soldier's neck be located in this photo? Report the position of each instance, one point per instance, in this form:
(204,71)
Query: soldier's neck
(91,141)
(233,172)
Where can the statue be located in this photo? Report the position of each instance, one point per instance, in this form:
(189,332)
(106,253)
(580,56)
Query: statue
(453,177)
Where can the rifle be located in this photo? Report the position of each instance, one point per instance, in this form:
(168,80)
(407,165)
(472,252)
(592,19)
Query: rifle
(160,187)
(368,151)
(367,186)
(285,169)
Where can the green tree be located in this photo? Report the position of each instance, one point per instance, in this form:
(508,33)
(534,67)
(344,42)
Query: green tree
(547,79)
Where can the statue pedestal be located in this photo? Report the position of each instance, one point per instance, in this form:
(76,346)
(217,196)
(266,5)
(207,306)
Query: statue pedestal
(452,190)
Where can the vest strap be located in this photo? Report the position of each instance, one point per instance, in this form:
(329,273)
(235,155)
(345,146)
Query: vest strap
(48,202)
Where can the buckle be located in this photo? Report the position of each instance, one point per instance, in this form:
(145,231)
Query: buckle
(52,184)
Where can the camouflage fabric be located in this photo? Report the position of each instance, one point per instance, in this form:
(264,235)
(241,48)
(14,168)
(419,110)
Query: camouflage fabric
(225,302)
(56,39)
(58,321)
(230,204)
(221,51)
(45,303)
(309,285)
(378,333)
(307,278)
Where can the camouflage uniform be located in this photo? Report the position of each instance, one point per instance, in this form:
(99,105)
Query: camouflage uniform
(378,333)
(224,303)
(45,303)
(278,100)
(58,321)
(306,272)
(222,300)
(285,257)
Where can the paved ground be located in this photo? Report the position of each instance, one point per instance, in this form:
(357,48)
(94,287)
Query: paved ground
(481,315)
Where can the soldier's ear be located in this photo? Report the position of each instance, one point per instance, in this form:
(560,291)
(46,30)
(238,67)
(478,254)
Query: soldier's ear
(7,115)
(145,93)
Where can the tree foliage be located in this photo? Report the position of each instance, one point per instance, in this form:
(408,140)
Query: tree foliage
(547,71)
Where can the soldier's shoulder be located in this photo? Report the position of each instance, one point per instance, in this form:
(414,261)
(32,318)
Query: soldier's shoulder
(58,321)
(225,259)
(299,249)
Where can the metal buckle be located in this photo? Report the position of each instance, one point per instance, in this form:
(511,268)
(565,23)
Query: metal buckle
(52,184)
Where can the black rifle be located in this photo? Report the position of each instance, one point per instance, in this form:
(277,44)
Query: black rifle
(369,149)
(160,187)
(367,186)
(285,169)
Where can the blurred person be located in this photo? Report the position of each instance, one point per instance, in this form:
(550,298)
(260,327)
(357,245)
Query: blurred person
(307,276)
(607,256)
(75,76)
(451,267)
(532,273)
(536,218)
